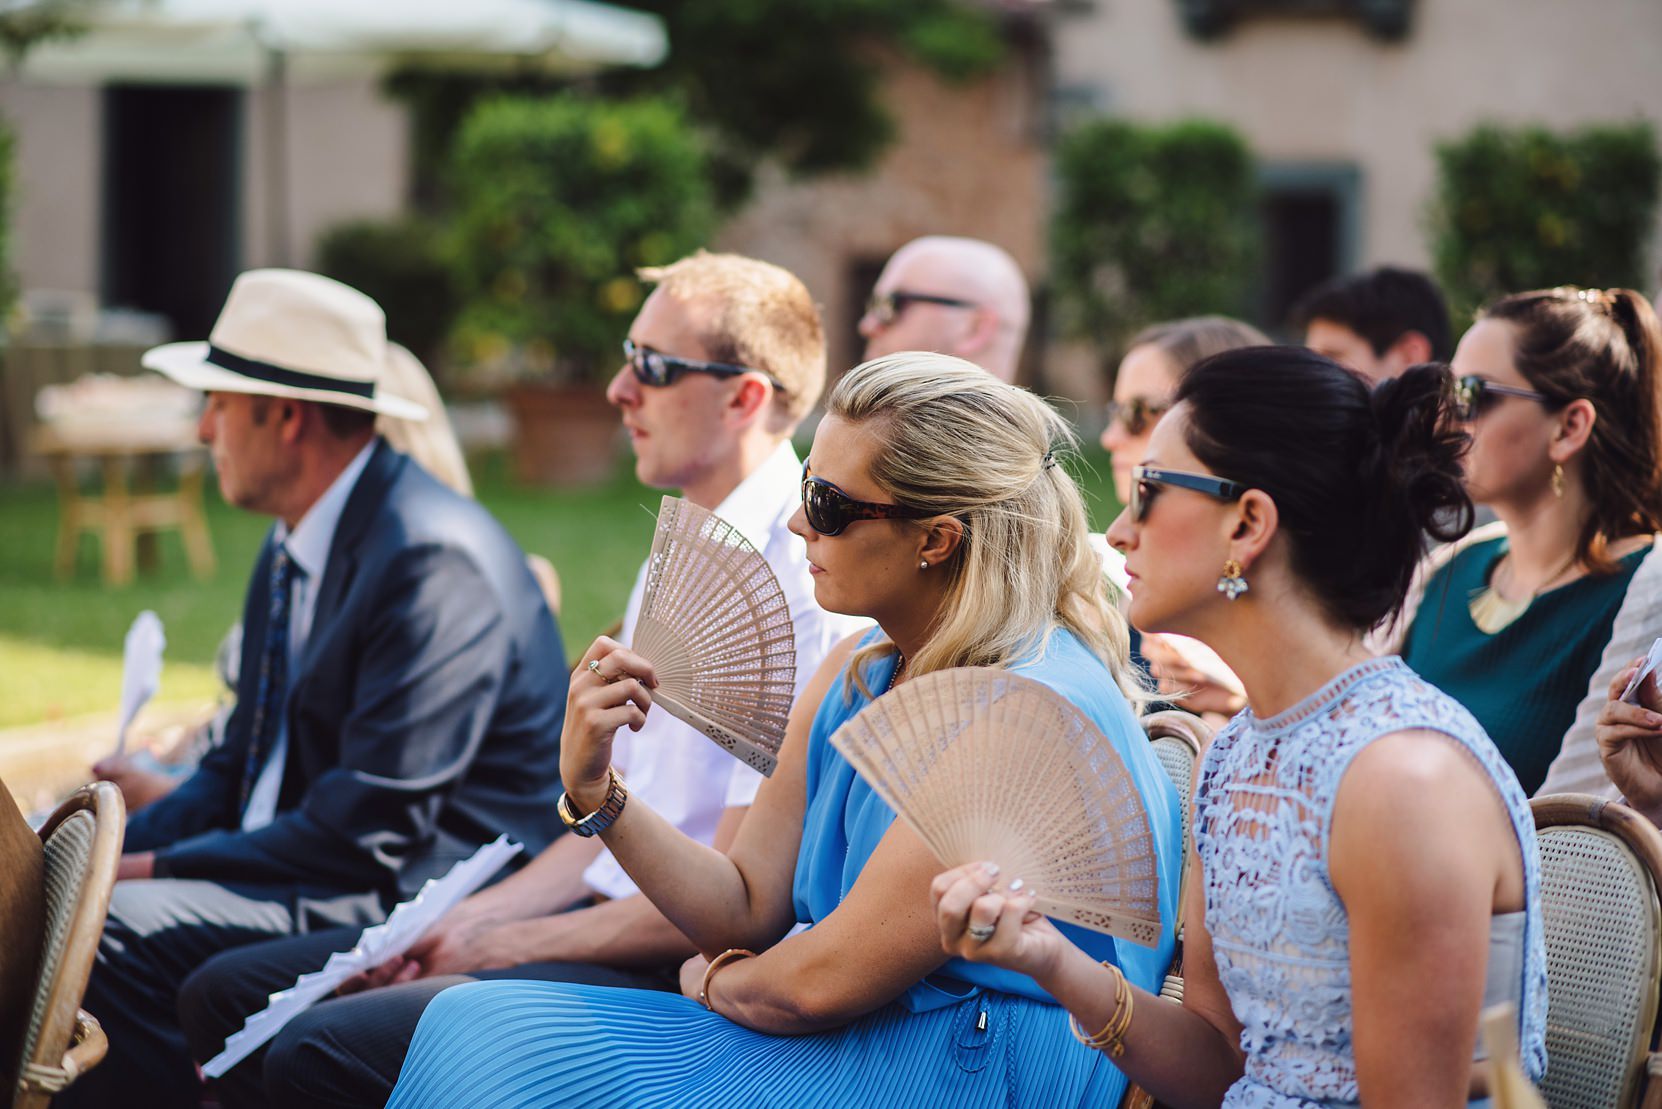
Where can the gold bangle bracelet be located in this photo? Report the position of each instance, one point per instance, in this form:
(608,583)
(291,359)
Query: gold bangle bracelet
(1112,1037)
(731,955)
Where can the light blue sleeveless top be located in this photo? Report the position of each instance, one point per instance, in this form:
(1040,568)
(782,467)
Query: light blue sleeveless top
(846,818)
(1280,935)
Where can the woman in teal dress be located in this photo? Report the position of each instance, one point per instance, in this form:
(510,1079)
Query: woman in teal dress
(1562,392)
(932,503)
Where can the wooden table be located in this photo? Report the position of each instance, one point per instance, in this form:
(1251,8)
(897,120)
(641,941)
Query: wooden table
(128,510)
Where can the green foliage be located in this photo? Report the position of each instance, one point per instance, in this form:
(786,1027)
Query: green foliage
(25,23)
(794,80)
(1151,223)
(1527,208)
(558,201)
(8,179)
(401,263)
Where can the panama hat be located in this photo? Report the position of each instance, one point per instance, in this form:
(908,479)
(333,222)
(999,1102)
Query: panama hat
(284,333)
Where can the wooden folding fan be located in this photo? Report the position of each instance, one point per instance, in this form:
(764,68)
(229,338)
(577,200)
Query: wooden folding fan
(715,626)
(988,765)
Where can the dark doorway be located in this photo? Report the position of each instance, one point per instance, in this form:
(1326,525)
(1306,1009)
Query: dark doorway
(1310,218)
(171,191)
(847,347)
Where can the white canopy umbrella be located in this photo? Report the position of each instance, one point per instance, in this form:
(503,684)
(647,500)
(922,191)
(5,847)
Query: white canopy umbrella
(275,42)
(234,41)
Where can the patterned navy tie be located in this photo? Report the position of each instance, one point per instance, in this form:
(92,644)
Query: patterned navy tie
(274,665)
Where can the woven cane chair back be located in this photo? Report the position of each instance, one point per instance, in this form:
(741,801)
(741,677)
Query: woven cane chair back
(1601,864)
(1178,739)
(82,842)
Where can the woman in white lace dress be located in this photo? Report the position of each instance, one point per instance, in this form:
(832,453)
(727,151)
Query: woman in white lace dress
(1366,878)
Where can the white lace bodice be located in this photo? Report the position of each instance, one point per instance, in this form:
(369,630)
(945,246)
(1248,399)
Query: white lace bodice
(1280,936)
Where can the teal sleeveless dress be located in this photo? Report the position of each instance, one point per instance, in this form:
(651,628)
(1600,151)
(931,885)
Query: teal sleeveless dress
(967,1035)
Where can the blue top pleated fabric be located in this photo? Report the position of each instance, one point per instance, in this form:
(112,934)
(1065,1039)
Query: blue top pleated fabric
(966,1036)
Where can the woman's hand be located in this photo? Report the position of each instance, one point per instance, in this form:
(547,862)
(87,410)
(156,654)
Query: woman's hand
(1022,940)
(609,690)
(692,975)
(1630,742)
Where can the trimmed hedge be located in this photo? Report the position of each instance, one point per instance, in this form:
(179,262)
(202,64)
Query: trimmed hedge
(1152,223)
(1526,208)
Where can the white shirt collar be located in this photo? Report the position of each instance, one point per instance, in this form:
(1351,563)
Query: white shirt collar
(308,544)
(753,505)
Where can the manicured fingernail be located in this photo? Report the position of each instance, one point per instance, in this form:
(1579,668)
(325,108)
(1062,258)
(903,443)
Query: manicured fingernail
(1653,720)
(990,869)
(1016,886)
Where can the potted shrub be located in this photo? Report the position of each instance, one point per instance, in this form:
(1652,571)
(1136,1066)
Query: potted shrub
(1526,208)
(558,200)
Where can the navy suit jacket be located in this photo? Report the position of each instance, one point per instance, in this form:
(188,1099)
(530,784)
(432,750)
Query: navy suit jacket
(424,712)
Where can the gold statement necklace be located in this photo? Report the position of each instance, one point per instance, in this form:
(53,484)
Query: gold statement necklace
(1491,612)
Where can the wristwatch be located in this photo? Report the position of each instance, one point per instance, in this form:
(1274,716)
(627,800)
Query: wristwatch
(603,817)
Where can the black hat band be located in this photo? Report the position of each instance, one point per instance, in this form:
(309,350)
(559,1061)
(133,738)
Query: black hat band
(279,375)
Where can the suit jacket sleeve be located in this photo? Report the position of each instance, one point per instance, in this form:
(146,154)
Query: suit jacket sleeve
(428,681)
(203,801)
(208,798)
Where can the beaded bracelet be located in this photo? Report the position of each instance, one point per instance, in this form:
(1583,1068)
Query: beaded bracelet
(731,955)
(1112,1037)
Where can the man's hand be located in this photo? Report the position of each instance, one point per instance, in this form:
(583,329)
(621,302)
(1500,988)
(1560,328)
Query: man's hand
(461,942)
(139,786)
(1189,689)
(1630,743)
(140,865)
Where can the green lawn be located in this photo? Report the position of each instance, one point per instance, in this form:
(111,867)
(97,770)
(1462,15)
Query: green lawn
(60,643)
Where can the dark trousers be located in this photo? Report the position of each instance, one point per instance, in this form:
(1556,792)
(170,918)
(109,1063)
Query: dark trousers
(158,932)
(344,1051)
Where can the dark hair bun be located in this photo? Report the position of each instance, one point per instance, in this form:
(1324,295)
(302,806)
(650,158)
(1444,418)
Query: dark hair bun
(1358,477)
(1421,442)
(1416,465)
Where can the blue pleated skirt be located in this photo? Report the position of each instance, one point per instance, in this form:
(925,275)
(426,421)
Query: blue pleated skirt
(508,1043)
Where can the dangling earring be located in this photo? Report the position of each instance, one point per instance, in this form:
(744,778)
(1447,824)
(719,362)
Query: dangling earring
(1233,583)
(923,564)
(1558,481)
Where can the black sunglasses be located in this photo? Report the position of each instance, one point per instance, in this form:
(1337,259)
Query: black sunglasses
(1147,480)
(830,510)
(1474,396)
(885,308)
(658,369)
(1137,414)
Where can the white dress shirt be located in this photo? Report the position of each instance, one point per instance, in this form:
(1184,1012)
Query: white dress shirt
(676,769)
(308,546)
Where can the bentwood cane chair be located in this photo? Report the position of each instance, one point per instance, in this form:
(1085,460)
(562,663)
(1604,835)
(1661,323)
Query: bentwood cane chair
(1178,739)
(1601,866)
(82,843)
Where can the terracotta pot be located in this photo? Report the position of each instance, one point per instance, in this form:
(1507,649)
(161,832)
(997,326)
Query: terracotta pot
(563,434)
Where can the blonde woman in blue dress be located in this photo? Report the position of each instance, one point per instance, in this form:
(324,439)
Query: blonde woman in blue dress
(933,504)
(1366,877)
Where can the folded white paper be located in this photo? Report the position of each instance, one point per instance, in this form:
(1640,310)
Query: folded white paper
(141,670)
(376,944)
(1651,665)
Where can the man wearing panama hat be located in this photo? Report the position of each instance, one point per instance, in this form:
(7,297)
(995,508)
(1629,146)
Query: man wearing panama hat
(402,686)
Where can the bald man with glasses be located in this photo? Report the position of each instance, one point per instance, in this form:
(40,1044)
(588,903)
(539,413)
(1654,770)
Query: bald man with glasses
(950,295)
